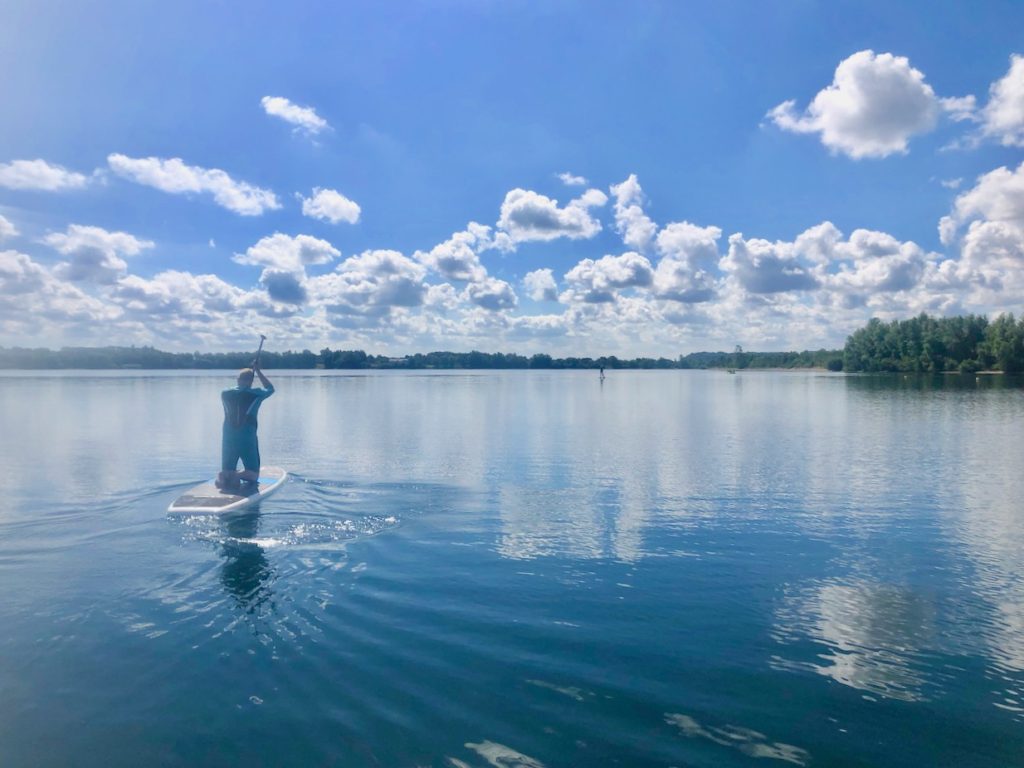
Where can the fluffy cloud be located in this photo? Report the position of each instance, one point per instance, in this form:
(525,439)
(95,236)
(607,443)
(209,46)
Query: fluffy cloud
(821,268)
(179,296)
(997,196)
(695,245)
(177,178)
(598,281)
(369,286)
(285,259)
(39,175)
(283,286)
(991,263)
(396,280)
(540,285)
(539,326)
(456,258)
(330,205)
(288,253)
(19,274)
(875,263)
(493,294)
(95,255)
(528,216)
(763,267)
(676,281)
(874,105)
(631,222)
(7,229)
(687,270)
(1003,116)
(44,302)
(304,119)
(441,298)
(572,181)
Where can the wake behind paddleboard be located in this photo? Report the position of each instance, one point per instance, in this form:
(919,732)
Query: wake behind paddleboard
(207,499)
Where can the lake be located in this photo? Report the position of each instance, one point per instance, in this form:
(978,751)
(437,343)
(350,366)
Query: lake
(517,569)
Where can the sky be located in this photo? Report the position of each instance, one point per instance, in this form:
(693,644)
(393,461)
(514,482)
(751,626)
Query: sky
(575,178)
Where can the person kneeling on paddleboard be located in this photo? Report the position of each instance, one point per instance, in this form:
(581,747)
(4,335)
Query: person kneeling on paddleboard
(239,441)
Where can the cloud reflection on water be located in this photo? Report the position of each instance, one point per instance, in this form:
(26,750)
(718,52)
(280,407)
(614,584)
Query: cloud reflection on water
(500,756)
(747,741)
(989,527)
(872,633)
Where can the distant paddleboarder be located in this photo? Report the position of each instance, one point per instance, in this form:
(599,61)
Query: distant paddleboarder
(239,441)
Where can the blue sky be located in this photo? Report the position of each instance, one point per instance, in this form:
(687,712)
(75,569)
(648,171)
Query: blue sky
(387,175)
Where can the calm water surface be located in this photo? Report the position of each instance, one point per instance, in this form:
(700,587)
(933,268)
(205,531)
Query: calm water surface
(517,569)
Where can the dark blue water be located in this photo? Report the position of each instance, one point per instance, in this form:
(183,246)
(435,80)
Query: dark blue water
(674,568)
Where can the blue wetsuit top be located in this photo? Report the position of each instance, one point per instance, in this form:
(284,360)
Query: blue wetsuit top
(241,405)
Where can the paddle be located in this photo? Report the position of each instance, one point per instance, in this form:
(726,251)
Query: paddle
(259,351)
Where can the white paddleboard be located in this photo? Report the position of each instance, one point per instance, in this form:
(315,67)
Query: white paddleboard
(207,499)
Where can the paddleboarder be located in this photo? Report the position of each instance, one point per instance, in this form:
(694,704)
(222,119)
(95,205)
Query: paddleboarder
(238,440)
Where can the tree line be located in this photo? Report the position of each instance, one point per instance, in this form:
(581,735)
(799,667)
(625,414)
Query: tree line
(99,358)
(920,344)
(926,344)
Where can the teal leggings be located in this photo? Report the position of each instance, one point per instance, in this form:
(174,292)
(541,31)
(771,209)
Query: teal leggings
(239,443)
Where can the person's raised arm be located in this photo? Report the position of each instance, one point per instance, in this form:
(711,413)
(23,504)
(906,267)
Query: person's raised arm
(264,381)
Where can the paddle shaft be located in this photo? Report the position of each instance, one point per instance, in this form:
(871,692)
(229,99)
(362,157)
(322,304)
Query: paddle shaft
(259,351)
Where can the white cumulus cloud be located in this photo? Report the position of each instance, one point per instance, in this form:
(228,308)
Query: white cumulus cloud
(95,255)
(285,259)
(330,205)
(597,281)
(872,263)
(763,267)
(991,263)
(696,245)
(687,271)
(175,177)
(997,196)
(7,229)
(39,175)
(285,286)
(178,296)
(457,257)
(492,293)
(571,180)
(285,252)
(874,105)
(303,119)
(1003,116)
(539,326)
(631,222)
(527,216)
(45,303)
(19,274)
(540,285)
(441,298)
(366,288)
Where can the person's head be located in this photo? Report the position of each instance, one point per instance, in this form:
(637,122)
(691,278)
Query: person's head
(245,378)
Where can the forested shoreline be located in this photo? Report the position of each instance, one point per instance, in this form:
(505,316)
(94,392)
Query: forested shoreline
(921,344)
(925,344)
(103,358)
